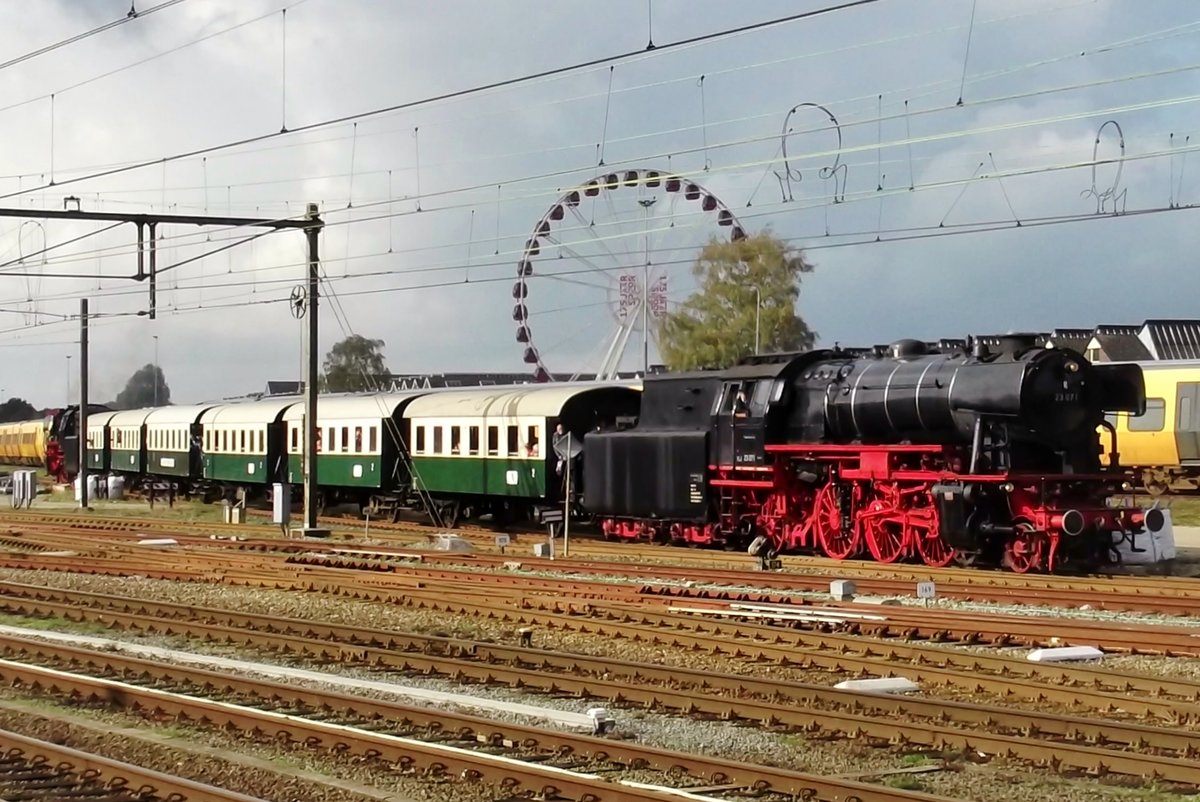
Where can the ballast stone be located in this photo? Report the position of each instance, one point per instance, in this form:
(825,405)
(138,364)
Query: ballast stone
(879,685)
(1065,653)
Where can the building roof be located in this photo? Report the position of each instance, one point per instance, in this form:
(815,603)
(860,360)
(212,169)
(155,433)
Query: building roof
(1172,339)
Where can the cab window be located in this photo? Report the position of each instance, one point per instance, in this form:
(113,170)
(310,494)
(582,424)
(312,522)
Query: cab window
(1153,420)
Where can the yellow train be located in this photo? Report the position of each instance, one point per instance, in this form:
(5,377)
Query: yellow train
(1163,445)
(23,443)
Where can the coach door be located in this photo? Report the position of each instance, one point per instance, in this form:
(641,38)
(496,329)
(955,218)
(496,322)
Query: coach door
(1187,421)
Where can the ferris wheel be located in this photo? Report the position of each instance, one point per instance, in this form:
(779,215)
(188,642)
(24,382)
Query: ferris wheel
(616,252)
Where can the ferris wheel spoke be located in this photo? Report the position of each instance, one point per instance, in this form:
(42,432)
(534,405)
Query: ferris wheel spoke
(598,240)
(574,254)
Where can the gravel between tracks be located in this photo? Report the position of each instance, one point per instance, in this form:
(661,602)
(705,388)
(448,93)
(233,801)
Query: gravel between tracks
(993,782)
(268,771)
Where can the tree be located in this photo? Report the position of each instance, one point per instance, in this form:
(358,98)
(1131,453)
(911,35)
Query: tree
(139,391)
(17,409)
(354,364)
(715,326)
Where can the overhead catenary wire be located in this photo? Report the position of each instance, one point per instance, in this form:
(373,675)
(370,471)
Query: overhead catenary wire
(529,78)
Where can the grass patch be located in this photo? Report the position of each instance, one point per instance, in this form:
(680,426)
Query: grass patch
(915,759)
(54,624)
(903,783)
(1185,510)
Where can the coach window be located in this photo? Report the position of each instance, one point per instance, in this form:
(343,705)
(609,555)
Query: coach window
(420,440)
(357,439)
(531,441)
(373,432)
(225,441)
(437,439)
(455,439)
(345,438)
(473,441)
(514,441)
(493,443)
(1153,420)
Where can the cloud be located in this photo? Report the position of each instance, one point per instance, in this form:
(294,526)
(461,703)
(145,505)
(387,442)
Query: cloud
(437,284)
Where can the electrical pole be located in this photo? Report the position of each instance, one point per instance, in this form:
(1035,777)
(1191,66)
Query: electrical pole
(311,345)
(646,203)
(82,417)
(155,369)
(757,313)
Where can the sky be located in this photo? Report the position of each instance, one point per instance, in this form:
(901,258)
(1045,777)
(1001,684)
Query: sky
(950,167)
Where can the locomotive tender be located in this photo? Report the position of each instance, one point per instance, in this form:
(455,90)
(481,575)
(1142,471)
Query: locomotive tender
(988,454)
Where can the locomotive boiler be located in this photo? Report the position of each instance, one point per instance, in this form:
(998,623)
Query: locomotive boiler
(982,453)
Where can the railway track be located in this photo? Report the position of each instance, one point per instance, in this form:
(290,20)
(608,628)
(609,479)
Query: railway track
(1069,742)
(781,609)
(34,769)
(548,762)
(1166,595)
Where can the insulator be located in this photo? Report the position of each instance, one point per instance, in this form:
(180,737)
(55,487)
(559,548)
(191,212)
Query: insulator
(544,228)
(525,268)
(591,188)
(557,212)
(738,234)
(693,192)
(520,313)
(541,375)
(612,181)
(652,178)
(523,334)
(709,203)
(673,184)
(725,218)
(531,356)
(520,290)
(631,178)
(532,248)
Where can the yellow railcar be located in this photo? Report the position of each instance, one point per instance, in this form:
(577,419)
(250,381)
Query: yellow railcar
(1163,445)
(23,443)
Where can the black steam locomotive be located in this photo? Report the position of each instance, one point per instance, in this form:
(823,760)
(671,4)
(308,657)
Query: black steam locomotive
(968,453)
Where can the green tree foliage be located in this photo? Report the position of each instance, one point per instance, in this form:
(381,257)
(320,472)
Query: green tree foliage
(139,391)
(355,364)
(714,328)
(17,409)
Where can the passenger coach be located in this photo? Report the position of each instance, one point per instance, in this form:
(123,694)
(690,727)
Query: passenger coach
(243,443)
(489,450)
(360,450)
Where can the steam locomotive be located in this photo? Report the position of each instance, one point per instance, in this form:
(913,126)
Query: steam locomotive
(977,453)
